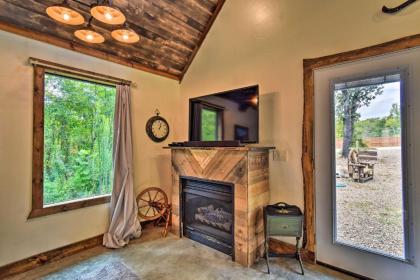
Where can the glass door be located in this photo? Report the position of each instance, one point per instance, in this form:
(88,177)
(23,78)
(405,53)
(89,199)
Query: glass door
(366,134)
(368,171)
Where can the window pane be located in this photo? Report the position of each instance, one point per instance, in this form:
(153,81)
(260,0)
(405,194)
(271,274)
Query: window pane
(368,171)
(208,125)
(78,135)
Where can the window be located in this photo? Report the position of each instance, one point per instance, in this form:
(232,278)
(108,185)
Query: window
(72,153)
(209,125)
(206,121)
(370,181)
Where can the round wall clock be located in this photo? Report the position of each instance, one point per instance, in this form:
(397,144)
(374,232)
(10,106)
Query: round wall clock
(157,128)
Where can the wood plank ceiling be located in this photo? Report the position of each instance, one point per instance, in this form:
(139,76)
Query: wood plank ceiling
(171,31)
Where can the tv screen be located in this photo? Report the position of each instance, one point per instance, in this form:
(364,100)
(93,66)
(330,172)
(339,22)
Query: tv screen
(224,116)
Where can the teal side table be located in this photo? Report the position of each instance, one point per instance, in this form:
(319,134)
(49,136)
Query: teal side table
(282,219)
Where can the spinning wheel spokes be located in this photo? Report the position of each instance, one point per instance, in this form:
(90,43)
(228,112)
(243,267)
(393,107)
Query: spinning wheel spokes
(151,203)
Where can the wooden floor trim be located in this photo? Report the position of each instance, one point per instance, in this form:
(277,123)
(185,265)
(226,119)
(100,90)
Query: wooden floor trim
(49,256)
(53,255)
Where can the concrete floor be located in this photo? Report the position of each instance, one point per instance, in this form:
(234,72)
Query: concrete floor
(153,257)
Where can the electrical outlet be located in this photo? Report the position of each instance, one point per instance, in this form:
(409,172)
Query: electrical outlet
(283,155)
(280,155)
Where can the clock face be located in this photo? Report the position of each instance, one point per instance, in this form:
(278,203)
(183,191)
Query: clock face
(157,128)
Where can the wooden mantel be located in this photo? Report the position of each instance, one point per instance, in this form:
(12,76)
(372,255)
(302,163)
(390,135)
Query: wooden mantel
(247,169)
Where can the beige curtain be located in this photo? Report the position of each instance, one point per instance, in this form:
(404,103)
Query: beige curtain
(124,223)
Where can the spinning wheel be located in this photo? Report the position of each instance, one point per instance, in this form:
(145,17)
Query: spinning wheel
(153,204)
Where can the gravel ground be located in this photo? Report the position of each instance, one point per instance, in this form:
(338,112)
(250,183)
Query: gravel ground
(370,214)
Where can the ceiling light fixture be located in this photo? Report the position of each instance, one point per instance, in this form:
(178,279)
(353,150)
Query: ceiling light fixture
(89,35)
(65,14)
(106,13)
(125,35)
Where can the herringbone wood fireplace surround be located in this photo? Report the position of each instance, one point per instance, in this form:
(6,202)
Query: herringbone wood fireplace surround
(247,169)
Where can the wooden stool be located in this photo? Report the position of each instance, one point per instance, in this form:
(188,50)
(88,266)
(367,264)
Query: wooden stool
(282,219)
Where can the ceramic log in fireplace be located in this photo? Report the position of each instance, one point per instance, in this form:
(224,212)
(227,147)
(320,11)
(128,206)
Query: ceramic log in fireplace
(231,219)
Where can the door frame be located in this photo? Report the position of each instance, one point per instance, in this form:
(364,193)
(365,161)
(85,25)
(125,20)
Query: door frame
(308,136)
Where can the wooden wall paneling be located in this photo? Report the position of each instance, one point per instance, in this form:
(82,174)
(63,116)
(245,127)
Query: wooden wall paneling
(258,197)
(248,171)
(308,141)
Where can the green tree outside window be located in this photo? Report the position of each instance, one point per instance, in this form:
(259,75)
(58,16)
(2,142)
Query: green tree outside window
(78,136)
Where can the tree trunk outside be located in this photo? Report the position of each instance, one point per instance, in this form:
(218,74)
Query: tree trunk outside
(348,135)
(348,125)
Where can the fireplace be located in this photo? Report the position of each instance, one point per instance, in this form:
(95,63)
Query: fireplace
(208,213)
(221,180)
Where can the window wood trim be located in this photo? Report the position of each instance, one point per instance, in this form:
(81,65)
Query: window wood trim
(52,67)
(38,208)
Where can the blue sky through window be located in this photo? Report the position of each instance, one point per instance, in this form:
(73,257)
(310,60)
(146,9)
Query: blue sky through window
(381,105)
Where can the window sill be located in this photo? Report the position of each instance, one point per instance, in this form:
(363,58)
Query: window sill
(68,206)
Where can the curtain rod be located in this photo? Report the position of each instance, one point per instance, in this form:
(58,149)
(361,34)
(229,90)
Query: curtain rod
(78,72)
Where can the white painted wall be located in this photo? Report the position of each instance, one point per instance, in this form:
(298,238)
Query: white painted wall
(21,238)
(264,42)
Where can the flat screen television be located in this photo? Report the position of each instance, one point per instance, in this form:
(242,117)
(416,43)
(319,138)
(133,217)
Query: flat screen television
(225,116)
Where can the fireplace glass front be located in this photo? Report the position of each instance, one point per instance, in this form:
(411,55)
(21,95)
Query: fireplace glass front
(207,213)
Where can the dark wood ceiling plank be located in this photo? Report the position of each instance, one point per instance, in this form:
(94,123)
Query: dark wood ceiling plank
(154,40)
(127,51)
(213,18)
(156,20)
(146,15)
(81,49)
(182,7)
(149,50)
(203,6)
(171,31)
(169,14)
(145,30)
(15,15)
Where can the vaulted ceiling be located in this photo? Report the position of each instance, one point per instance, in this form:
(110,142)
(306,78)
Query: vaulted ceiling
(171,31)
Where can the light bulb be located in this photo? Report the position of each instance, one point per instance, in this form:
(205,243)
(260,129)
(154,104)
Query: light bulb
(108,15)
(66,16)
(89,37)
(254,100)
(125,37)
